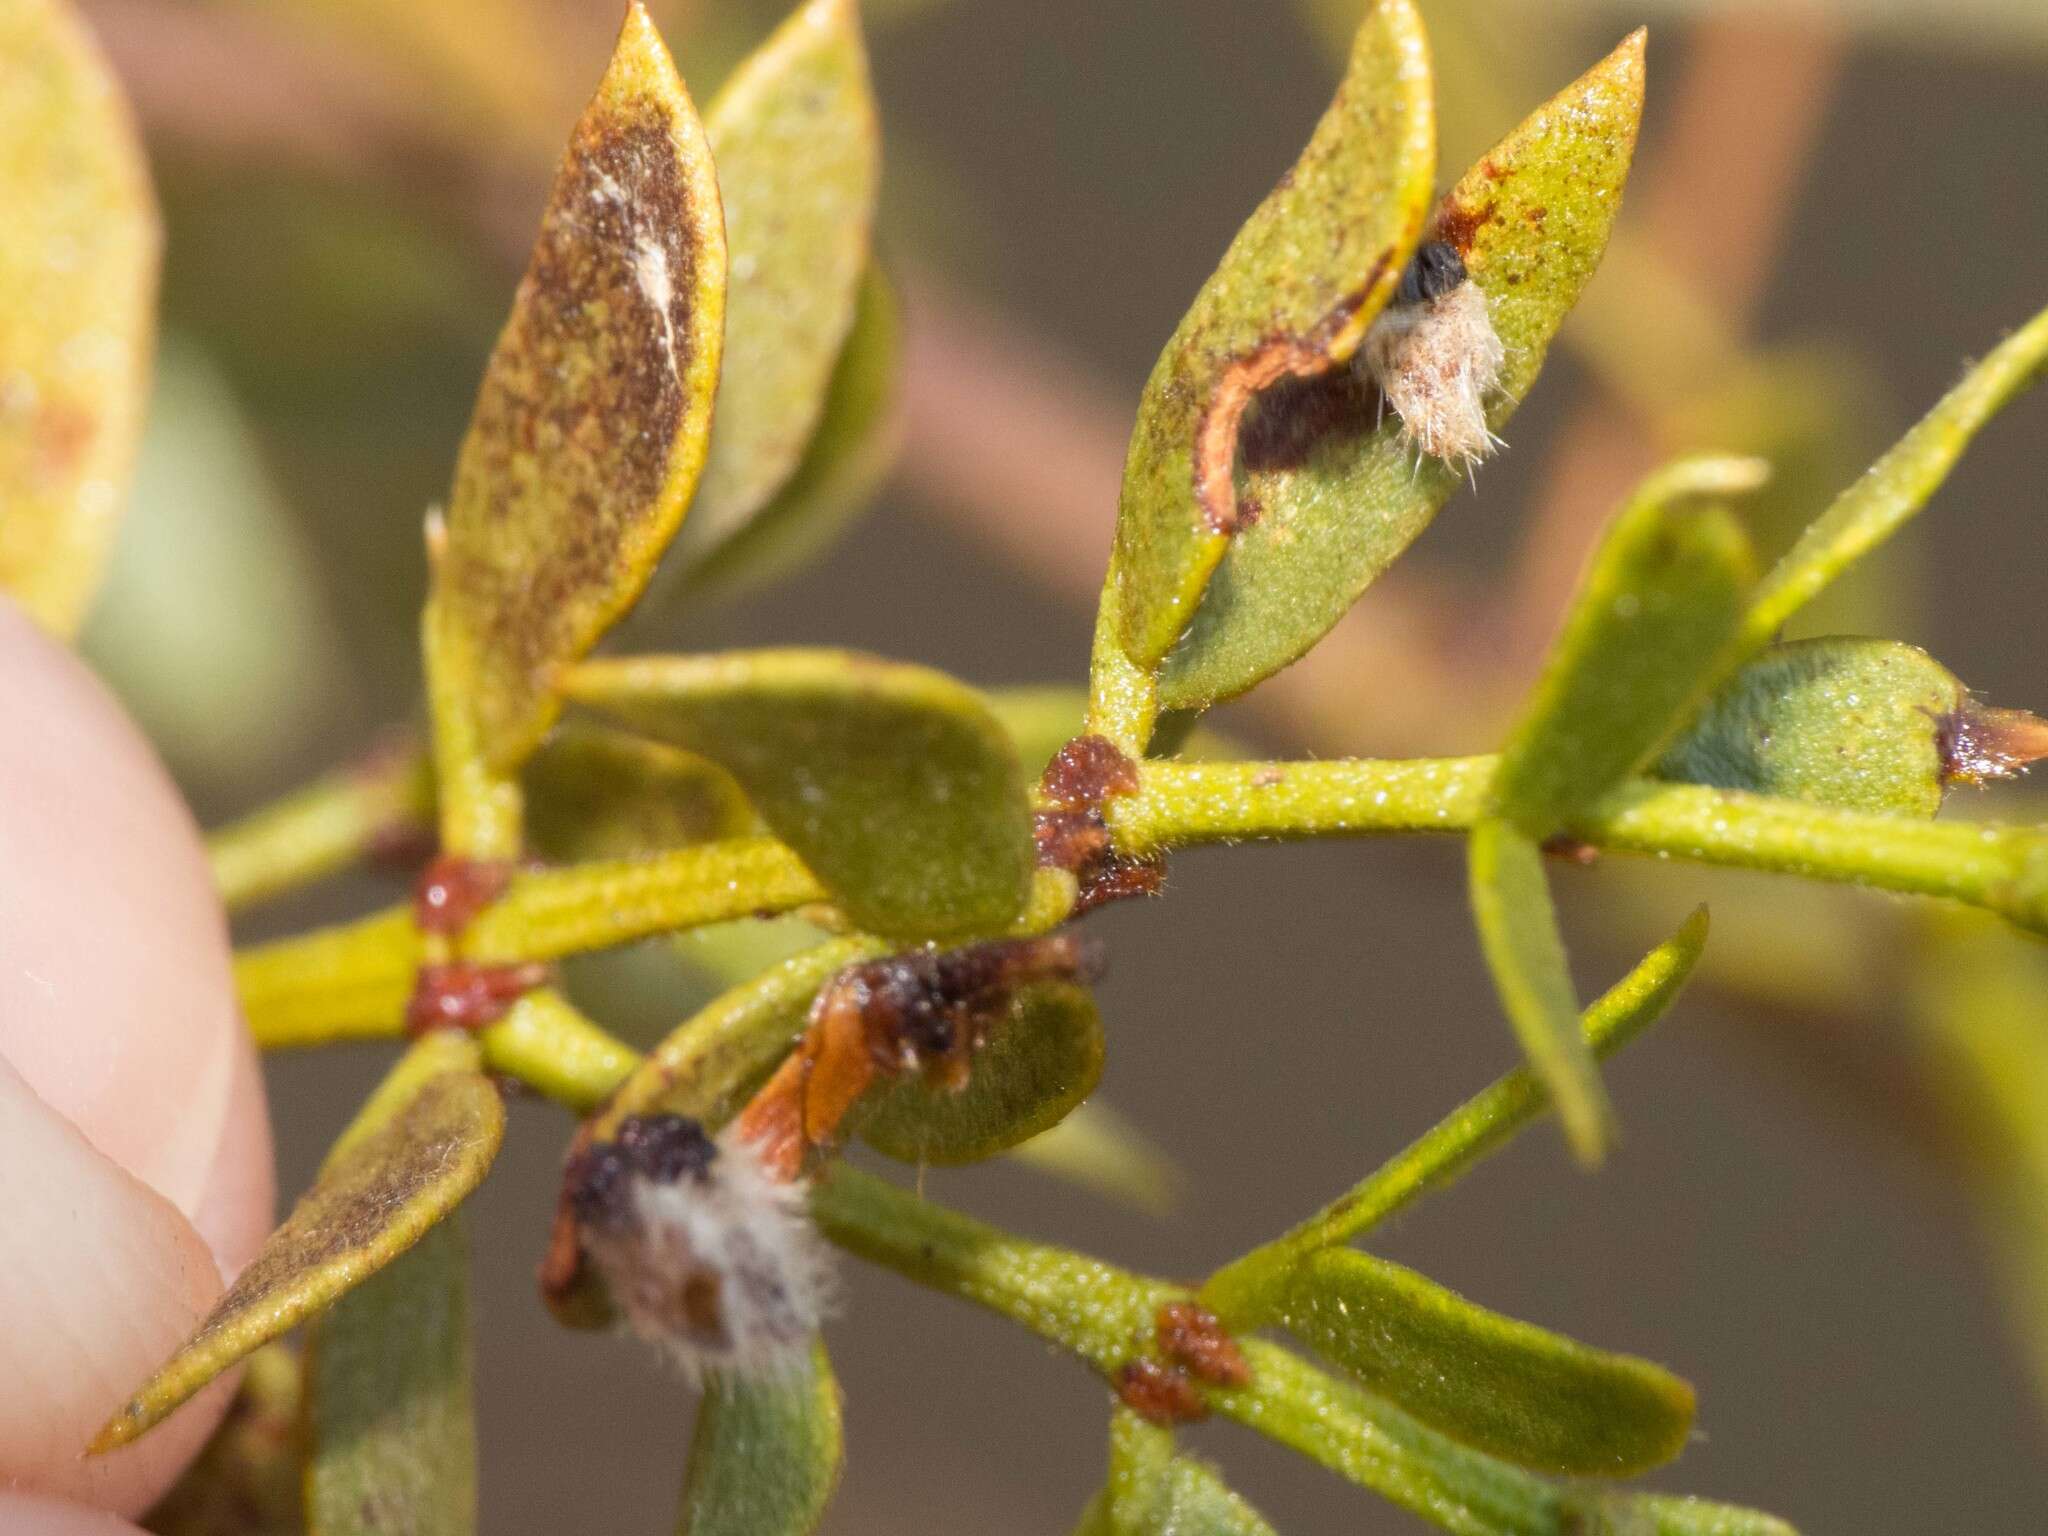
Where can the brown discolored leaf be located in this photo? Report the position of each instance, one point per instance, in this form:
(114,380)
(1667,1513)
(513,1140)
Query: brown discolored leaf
(78,264)
(592,419)
(798,151)
(1292,298)
(421,1144)
(1341,495)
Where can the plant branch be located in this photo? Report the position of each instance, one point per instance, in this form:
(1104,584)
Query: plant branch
(2001,868)
(385,801)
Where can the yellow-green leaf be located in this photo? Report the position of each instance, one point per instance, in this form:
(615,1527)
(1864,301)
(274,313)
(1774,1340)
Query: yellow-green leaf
(841,469)
(1508,1387)
(1340,495)
(421,1144)
(247,1480)
(390,1419)
(1518,932)
(1897,485)
(1663,595)
(766,1454)
(894,783)
(1292,297)
(1852,723)
(799,158)
(77,305)
(1365,1440)
(592,420)
(1152,1491)
(593,793)
(1040,1062)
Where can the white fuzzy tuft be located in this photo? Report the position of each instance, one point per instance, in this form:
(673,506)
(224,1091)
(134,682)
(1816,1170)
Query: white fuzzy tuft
(1435,363)
(721,1269)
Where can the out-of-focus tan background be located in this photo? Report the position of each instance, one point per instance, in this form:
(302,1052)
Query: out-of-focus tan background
(348,185)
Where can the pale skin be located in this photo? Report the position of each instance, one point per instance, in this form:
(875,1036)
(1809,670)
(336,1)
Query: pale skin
(135,1157)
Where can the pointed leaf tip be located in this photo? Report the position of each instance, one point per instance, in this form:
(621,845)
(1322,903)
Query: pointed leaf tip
(594,413)
(1341,495)
(423,1142)
(1292,297)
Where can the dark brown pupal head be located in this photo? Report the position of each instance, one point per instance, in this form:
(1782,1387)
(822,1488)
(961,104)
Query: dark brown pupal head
(660,1148)
(1433,271)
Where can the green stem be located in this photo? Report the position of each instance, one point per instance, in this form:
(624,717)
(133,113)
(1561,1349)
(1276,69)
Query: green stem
(1481,1125)
(556,912)
(1091,1309)
(2004,869)
(349,982)
(547,1044)
(1105,1316)
(329,825)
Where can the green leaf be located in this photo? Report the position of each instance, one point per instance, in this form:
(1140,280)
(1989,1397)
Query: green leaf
(1518,932)
(1856,724)
(390,1417)
(593,793)
(766,1454)
(894,783)
(1154,1492)
(1340,495)
(1292,297)
(1896,487)
(1372,1444)
(1662,597)
(247,1480)
(77,308)
(420,1145)
(592,420)
(842,468)
(1040,1062)
(798,151)
(1518,1391)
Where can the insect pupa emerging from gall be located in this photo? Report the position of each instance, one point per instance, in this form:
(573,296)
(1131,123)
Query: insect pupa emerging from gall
(709,1256)
(1435,357)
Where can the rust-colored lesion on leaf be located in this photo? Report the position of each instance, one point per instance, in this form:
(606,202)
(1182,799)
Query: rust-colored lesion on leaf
(1069,830)
(377,1197)
(1307,356)
(593,416)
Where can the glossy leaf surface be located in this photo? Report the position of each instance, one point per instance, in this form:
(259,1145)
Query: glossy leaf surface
(1040,1062)
(1508,1387)
(390,1418)
(1292,297)
(894,783)
(77,308)
(1340,495)
(595,408)
(766,1454)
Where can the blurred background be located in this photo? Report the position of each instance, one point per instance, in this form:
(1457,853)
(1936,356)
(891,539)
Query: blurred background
(1830,1210)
